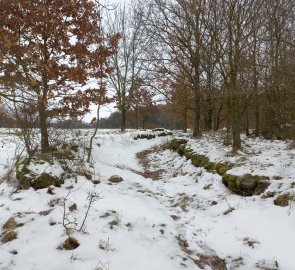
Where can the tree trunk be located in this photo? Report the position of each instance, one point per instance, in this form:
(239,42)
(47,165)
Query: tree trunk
(172,121)
(235,122)
(255,86)
(123,120)
(257,116)
(233,88)
(209,114)
(94,134)
(136,118)
(218,120)
(247,124)
(196,130)
(185,121)
(43,127)
(209,101)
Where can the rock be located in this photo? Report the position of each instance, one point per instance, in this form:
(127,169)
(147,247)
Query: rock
(23,174)
(73,207)
(27,172)
(95,182)
(222,168)
(209,166)
(71,243)
(175,144)
(247,184)
(199,160)
(10,224)
(116,179)
(50,191)
(145,136)
(159,129)
(46,180)
(9,236)
(163,134)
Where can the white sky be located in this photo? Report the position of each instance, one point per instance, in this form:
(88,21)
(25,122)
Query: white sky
(106,110)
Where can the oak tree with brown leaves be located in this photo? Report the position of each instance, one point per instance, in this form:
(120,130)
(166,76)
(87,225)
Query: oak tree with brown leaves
(49,51)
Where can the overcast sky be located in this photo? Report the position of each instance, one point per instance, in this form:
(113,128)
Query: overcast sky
(106,110)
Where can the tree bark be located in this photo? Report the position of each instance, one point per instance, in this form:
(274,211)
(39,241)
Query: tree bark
(196,130)
(43,127)
(235,122)
(123,120)
(185,121)
(94,134)
(217,118)
(136,117)
(209,113)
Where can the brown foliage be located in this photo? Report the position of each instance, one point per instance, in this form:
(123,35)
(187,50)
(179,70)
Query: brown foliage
(49,50)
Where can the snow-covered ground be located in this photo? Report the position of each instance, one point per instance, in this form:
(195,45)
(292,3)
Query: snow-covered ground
(178,220)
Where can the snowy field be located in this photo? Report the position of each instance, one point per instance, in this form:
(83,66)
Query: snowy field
(166,214)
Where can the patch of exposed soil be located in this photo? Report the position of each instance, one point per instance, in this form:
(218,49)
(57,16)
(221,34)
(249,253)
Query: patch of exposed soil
(213,261)
(149,171)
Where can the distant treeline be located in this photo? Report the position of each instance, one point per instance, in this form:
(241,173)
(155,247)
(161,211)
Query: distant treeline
(158,119)
(10,122)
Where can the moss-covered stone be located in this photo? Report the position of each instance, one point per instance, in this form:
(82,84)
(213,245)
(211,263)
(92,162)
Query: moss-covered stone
(222,168)
(23,173)
(145,136)
(188,153)
(226,178)
(181,150)
(21,168)
(9,236)
(45,180)
(209,166)
(199,160)
(175,144)
(283,200)
(246,185)
(163,134)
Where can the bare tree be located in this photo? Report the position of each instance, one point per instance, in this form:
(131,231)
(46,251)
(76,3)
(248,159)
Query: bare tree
(128,61)
(176,26)
(229,22)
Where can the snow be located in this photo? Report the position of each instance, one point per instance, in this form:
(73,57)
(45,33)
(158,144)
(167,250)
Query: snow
(151,216)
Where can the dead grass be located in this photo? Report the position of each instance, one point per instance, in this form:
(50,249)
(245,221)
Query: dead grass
(212,261)
(143,157)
